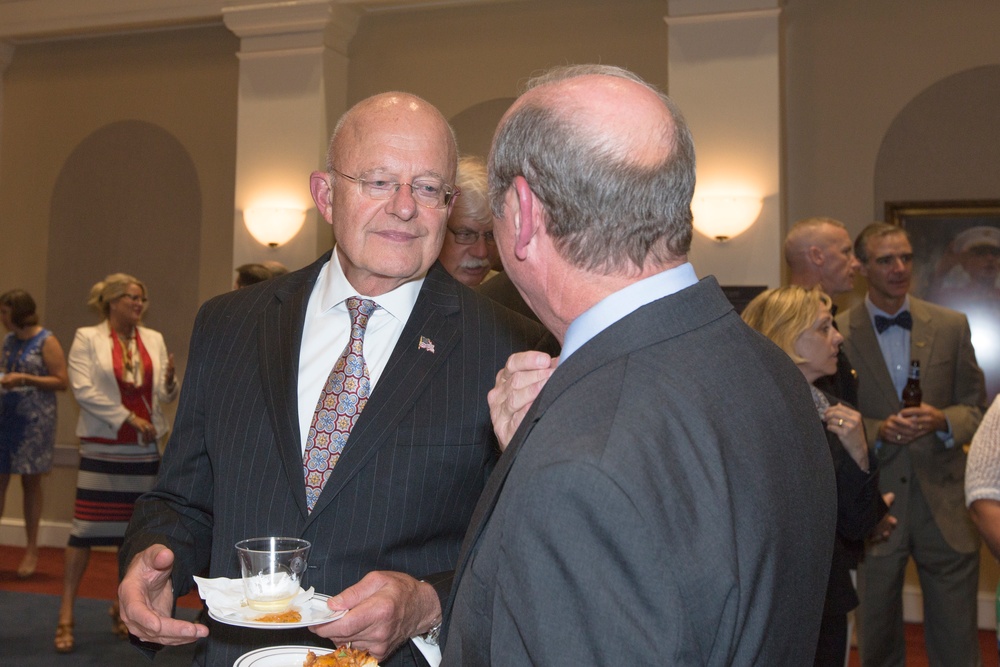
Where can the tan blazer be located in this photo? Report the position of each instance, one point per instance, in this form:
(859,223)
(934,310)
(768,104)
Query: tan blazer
(952,382)
(92,377)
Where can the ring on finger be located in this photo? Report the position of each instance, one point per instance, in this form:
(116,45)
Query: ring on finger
(840,422)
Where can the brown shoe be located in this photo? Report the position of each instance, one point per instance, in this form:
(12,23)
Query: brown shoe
(64,638)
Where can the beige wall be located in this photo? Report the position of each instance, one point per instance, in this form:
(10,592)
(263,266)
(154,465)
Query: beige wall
(75,111)
(850,69)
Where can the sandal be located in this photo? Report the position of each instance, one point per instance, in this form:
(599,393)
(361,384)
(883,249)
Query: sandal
(64,638)
(117,625)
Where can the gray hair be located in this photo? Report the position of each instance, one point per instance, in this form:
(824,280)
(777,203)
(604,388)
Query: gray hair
(604,212)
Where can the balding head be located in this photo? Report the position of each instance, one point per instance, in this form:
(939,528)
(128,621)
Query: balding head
(388,110)
(387,190)
(819,252)
(612,161)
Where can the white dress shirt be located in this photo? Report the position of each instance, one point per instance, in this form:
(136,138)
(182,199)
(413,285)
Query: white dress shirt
(327,329)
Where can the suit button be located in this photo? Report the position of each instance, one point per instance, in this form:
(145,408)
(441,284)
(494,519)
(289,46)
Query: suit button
(903,480)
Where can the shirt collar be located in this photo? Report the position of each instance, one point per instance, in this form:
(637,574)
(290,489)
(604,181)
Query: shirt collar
(616,306)
(334,288)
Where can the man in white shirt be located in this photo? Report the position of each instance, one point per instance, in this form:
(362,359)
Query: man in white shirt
(376,458)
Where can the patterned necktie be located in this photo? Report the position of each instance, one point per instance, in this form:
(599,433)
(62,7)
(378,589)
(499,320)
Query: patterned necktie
(343,398)
(904,320)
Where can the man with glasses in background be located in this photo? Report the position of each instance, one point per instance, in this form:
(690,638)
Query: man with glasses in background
(376,457)
(469,247)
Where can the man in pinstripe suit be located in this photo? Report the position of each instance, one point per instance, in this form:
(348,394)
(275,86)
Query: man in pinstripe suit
(392,514)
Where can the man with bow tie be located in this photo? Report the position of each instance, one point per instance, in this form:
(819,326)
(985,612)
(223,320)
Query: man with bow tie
(920,454)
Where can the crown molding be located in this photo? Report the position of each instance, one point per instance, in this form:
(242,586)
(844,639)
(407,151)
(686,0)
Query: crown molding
(23,21)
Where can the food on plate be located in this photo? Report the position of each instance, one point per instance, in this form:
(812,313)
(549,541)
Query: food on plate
(290,616)
(343,656)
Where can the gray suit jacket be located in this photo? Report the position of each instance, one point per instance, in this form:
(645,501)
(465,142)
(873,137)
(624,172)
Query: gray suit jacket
(403,491)
(952,382)
(668,500)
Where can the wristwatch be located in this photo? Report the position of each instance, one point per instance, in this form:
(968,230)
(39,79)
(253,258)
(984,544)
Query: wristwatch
(432,635)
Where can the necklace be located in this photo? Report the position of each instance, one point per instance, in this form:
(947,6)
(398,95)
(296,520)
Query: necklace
(129,361)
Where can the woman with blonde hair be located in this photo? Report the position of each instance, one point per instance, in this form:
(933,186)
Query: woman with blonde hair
(120,373)
(33,370)
(799,321)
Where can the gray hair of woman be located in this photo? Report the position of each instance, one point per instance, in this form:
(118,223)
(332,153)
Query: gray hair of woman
(113,287)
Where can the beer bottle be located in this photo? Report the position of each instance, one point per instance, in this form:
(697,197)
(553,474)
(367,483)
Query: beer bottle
(912,394)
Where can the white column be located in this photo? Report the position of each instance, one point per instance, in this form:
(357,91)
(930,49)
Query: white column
(292,88)
(724,72)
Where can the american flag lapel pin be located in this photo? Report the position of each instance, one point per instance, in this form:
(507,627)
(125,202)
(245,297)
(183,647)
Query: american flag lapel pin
(426,344)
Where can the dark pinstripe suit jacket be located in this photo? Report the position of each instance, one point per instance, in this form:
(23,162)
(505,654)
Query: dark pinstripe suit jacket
(402,493)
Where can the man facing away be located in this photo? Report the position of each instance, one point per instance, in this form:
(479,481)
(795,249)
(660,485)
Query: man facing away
(669,497)
(920,455)
(376,458)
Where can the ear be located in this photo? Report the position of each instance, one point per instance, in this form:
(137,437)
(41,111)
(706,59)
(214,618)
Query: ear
(319,186)
(815,255)
(529,220)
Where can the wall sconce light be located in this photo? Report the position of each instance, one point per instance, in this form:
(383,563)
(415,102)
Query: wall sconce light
(723,217)
(273,226)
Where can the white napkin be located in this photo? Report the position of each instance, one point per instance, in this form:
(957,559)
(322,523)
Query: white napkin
(224,597)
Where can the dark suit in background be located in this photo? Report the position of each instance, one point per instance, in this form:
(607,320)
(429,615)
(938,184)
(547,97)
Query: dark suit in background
(928,480)
(400,497)
(697,487)
(502,290)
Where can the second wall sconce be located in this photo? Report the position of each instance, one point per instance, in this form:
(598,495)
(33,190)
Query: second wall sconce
(273,226)
(722,217)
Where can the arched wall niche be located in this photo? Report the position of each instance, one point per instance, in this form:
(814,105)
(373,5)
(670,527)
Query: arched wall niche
(475,126)
(129,189)
(944,144)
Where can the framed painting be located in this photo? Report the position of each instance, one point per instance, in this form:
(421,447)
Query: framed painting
(956,247)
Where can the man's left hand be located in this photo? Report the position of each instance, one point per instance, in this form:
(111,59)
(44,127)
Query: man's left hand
(385,610)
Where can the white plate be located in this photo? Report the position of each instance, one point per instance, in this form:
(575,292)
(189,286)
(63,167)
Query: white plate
(278,656)
(313,612)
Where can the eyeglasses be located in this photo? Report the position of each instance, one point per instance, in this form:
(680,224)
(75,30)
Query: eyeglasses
(468,237)
(428,192)
(135,298)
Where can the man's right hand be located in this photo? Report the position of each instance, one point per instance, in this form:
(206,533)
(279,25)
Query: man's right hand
(146,596)
(899,430)
(518,383)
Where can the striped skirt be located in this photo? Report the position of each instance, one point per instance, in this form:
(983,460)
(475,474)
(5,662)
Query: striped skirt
(110,480)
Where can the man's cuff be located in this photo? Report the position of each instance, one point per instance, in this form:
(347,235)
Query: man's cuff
(947,437)
(432,652)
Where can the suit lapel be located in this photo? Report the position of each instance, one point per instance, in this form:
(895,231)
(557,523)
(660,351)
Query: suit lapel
(278,342)
(865,342)
(436,319)
(922,333)
(660,320)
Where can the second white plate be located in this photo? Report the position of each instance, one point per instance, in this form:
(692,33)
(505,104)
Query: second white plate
(278,656)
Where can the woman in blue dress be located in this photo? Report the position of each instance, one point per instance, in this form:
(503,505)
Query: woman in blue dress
(33,370)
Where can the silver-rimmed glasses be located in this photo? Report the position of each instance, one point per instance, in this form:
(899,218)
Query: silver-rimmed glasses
(470,236)
(427,191)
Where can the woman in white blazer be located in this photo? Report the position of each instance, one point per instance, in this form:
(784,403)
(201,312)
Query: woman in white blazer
(120,373)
